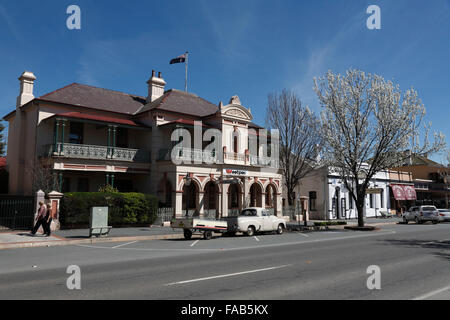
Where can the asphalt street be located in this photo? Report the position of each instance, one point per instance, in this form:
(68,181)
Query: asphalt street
(413,259)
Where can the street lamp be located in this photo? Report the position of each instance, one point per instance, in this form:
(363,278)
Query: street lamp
(187,183)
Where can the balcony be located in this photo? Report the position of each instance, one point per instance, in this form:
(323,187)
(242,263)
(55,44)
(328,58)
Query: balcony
(84,151)
(188,155)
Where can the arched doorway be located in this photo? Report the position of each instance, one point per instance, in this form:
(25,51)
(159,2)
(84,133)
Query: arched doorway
(190,199)
(211,200)
(255,195)
(234,199)
(271,198)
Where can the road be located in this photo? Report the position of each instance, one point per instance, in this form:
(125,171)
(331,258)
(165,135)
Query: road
(413,259)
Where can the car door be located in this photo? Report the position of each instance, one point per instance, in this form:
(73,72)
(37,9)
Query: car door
(266,221)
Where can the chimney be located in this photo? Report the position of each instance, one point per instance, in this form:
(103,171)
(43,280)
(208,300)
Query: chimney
(155,87)
(26,88)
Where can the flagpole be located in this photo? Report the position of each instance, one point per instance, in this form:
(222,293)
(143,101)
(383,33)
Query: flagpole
(186,61)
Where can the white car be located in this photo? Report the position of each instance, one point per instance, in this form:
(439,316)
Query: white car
(444,215)
(252,220)
(421,214)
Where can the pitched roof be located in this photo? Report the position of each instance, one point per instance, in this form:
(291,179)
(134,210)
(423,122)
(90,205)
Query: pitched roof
(181,102)
(96,98)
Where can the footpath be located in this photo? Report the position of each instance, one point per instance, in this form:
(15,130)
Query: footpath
(23,239)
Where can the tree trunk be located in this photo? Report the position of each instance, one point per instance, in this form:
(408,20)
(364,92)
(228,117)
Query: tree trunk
(360,208)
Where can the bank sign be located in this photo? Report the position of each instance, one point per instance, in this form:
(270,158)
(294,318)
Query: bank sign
(234,172)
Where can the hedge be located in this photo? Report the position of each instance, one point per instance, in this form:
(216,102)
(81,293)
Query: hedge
(125,209)
(329,223)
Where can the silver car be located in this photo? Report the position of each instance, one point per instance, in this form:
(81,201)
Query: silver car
(421,214)
(444,215)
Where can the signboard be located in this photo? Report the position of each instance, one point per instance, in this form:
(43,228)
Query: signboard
(235,172)
(374,191)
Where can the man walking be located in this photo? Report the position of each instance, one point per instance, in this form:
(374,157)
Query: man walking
(41,218)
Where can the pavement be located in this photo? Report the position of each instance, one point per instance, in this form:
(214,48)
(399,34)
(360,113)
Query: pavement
(22,239)
(413,261)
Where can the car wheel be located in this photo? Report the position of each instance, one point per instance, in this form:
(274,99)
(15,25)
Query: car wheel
(250,231)
(417,220)
(187,234)
(280,228)
(435,221)
(405,221)
(207,235)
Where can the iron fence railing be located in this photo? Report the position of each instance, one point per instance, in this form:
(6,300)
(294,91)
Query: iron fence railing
(16,212)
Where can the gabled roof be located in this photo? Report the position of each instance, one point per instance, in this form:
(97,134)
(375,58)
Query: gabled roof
(95,98)
(181,102)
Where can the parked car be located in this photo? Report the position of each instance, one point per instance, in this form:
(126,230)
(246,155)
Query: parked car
(444,215)
(421,214)
(252,220)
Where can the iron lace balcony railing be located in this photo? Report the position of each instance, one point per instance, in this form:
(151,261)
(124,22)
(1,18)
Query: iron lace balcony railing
(84,151)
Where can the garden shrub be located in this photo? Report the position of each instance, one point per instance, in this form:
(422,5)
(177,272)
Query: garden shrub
(124,208)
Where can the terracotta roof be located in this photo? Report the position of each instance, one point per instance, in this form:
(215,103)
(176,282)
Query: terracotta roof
(79,115)
(181,102)
(96,98)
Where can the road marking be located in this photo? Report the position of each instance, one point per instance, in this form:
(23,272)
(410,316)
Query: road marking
(302,234)
(194,243)
(225,275)
(432,293)
(256,238)
(377,234)
(124,244)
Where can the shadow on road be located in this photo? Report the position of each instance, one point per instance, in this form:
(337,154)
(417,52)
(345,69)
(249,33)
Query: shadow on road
(442,245)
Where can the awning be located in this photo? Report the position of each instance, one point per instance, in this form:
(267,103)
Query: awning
(403,192)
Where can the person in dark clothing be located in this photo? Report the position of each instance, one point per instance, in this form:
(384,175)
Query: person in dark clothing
(41,218)
(48,220)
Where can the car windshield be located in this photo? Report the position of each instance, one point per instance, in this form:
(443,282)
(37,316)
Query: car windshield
(444,210)
(428,208)
(248,213)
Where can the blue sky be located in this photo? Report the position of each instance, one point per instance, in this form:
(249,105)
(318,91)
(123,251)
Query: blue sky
(249,48)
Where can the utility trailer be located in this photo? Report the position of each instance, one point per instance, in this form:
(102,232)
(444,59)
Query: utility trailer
(198,225)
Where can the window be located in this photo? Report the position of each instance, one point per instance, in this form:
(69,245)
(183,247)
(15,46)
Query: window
(83,185)
(76,133)
(371,200)
(312,200)
(122,138)
(382,199)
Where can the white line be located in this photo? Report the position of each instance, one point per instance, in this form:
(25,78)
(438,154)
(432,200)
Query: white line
(124,244)
(305,235)
(225,275)
(194,243)
(256,238)
(432,293)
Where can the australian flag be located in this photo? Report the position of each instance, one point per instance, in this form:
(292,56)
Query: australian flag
(179,59)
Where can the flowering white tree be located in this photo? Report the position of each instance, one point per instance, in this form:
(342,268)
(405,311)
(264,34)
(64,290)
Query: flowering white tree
(367,124)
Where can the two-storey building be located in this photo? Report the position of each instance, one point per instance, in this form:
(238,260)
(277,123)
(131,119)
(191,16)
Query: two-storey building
(82,137)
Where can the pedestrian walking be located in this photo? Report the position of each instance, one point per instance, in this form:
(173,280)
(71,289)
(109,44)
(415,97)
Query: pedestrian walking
(41,218)
(48,220)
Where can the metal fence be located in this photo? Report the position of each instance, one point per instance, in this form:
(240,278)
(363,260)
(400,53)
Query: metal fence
(16,212)
(164,215)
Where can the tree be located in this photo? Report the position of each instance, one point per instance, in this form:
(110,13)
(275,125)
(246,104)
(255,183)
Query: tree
(298,133)
(45,178)
(366,125)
